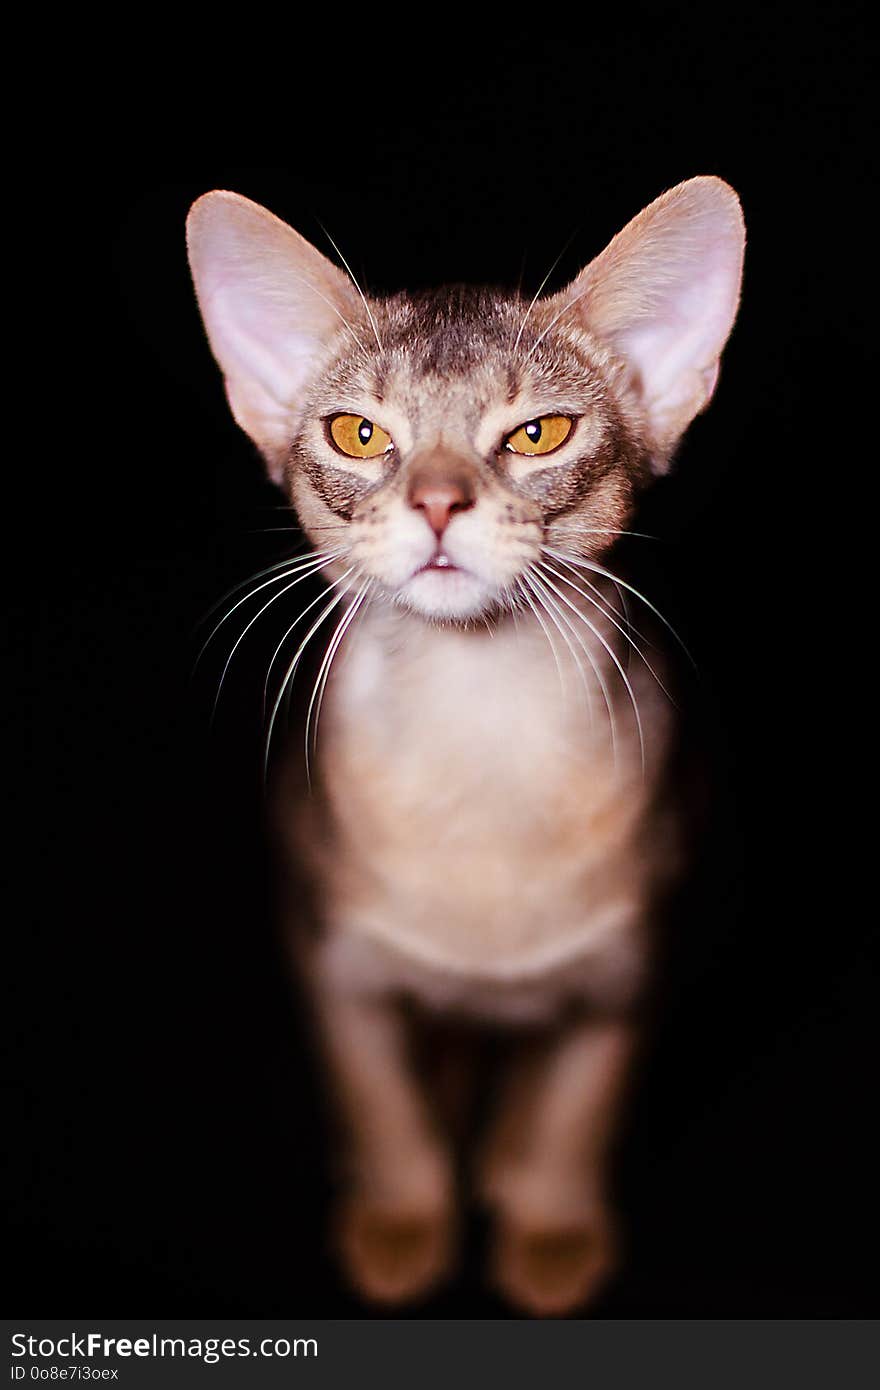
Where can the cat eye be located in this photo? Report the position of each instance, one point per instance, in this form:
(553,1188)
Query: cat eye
(358,437)
(540,436)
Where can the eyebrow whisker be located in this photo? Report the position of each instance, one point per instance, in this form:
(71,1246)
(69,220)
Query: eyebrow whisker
(354,281)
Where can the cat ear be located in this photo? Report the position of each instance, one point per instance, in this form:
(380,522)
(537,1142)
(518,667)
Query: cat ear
(663,295)
(271,304)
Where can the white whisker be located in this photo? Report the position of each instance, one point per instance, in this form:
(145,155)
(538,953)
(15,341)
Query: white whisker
(357,287)
(554,612)
(293,561)
(512,607)
(537,295)
(615,579)
(606,697)
(608,610)
(611,618)
(238,641)
(610,650)
(555,319)
(330,305)
(297,620)
(531,603)
(303,569)
(324,671)
(291,671)
(571,530)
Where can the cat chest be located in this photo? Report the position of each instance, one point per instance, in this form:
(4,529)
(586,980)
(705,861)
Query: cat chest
(476,805)
(484,843)
(466,756)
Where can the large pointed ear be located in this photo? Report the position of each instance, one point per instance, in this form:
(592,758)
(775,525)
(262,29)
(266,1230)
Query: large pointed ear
(663,296)
(271,304)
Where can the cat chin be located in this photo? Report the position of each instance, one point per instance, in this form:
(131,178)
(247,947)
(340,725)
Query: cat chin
(457,597)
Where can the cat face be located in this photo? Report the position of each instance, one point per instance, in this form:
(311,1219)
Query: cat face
(438,441)
(443,459)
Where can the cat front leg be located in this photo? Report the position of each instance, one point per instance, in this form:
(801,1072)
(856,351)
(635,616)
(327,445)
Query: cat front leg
(395,1221)
(545,1169)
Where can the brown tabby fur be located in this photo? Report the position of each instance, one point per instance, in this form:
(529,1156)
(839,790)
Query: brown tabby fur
(485,834)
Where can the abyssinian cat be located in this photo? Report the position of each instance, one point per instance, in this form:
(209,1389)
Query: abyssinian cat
(485,824)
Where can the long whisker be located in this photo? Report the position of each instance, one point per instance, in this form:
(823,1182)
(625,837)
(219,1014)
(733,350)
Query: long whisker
(609,703)
(573,530)
(608,609)
(610,650)
(324,672)
(604,606)
(554,612)
(531,603)
(538,293)
(302,568)
(615,578)
(291,671)
(238,641)
(292,560)
(297,620)
(337,311)
(511,603)
(610,616)
(356,285)
(555,319)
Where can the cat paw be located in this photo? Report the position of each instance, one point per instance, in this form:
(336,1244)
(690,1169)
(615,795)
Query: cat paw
(552,1269)
(394,1255)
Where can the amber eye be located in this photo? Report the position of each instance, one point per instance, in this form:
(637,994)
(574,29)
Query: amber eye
(539,436)
(358,437)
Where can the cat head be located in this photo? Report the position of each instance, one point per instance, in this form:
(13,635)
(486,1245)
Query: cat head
(440,440)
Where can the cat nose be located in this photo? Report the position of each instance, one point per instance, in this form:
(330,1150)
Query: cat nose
(439,495)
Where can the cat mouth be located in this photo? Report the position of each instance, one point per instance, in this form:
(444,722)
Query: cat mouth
(444,591)
(440,562)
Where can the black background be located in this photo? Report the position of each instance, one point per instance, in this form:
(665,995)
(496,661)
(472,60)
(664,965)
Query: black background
(167,1156)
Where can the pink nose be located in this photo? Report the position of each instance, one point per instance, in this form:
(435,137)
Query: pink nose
(439,495)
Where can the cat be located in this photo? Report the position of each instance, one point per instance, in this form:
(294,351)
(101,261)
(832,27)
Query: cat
(486,825)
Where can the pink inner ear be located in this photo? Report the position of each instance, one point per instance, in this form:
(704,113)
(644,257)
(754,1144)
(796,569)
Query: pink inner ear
(271,304)
(258,343)
(664,296)
(687,328)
